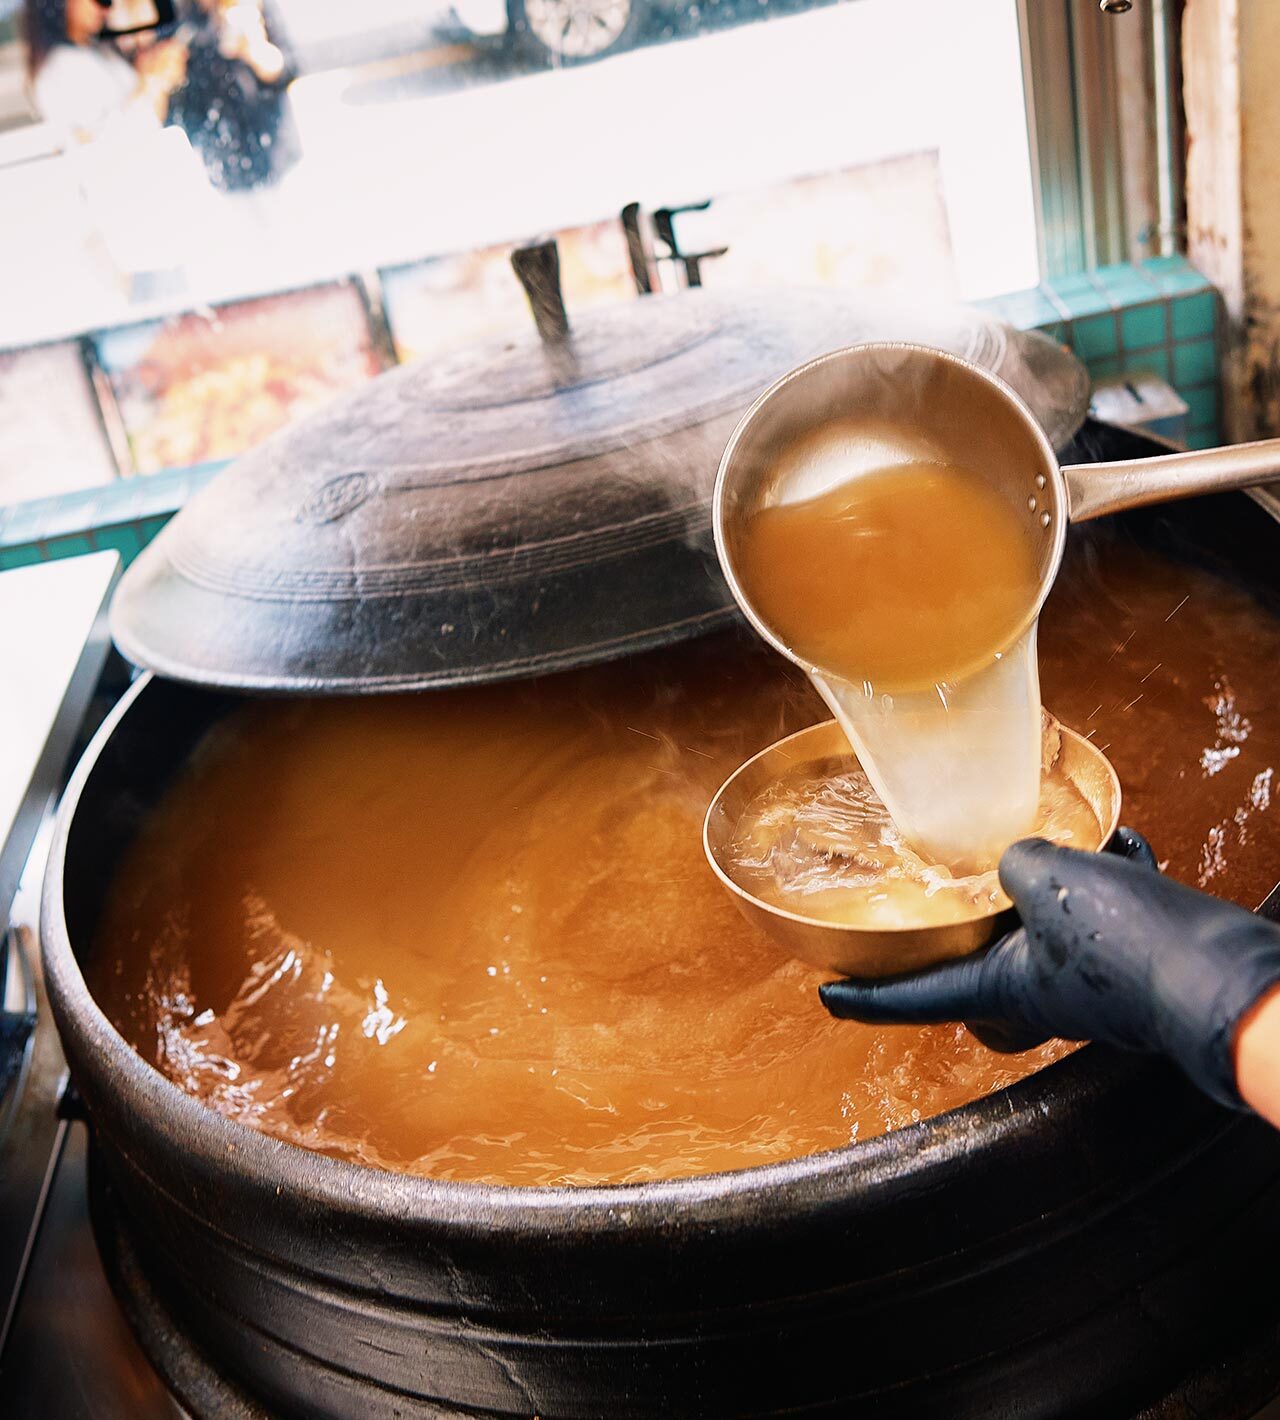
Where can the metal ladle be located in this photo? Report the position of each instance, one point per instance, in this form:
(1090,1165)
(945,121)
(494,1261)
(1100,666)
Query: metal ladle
(944,408)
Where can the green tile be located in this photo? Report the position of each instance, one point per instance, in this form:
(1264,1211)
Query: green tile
(1095,337)
(1080,300)
(1153,362)
(1131,284)
(165,492)
(1072,282)
(1142,325)
(1104,367)
(123,539)
(1059,331)
(1036,311)
(1126,276)
(1129,290)
(1157,264)
(1131,294)
(149,527)
(1203,439)
(11,557)
(69,514)
(1203,404)
(1174,271)
(1194,315)
(1195,362)
(25,523)
(1024,309)
(1179,283)
(75,545)
(128,502)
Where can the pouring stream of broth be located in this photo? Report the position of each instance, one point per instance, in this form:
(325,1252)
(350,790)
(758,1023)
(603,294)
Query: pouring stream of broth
(905,590)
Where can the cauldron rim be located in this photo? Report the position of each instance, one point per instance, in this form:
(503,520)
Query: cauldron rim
(1007,1120)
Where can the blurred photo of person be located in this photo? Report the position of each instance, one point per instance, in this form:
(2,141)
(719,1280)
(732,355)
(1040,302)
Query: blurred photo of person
(140,181)
(82,84)
(233,104)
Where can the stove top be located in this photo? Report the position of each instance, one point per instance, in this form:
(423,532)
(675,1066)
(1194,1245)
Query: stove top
(69,1353)
(65,1351)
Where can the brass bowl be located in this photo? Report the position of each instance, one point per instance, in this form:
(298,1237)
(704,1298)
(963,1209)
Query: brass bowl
(876,951)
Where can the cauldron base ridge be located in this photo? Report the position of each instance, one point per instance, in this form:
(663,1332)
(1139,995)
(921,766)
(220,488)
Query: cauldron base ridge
(181,1365)
(1233,1383)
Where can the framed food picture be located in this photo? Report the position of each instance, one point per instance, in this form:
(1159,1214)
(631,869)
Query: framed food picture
(52,437)
(878,226)
(206,386)
(450,301)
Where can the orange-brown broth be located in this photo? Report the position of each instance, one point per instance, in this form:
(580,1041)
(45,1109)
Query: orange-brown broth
(472,935)
(901,577)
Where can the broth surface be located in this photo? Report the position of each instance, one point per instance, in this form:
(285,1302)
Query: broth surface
(472,934)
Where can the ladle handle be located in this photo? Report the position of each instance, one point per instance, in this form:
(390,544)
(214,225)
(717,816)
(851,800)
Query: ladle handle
(1094,489)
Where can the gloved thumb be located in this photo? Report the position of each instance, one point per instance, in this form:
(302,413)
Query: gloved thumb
(944,993)
(1130,844)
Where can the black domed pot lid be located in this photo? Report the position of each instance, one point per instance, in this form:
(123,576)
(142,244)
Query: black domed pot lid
(512,509)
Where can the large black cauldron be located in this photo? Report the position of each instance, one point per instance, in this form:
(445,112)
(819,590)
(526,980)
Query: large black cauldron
(1094,1241)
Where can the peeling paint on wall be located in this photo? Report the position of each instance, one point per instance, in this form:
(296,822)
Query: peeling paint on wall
(1232,99)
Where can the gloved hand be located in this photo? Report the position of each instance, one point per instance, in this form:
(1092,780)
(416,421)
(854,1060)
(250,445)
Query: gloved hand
(1109,951)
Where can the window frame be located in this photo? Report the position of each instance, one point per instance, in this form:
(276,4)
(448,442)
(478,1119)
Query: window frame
(1104,124)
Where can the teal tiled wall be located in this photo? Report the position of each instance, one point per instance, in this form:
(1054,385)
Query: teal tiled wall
(1161,317)
(123,516)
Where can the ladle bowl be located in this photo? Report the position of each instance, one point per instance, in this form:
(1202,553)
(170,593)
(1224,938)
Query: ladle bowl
(874,951)
(891,398)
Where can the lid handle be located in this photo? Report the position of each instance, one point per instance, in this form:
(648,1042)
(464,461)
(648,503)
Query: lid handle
(538,267)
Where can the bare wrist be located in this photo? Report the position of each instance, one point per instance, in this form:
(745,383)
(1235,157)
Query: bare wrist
(1257,1055)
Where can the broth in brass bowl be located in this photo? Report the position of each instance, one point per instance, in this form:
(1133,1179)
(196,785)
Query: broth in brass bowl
(931,921)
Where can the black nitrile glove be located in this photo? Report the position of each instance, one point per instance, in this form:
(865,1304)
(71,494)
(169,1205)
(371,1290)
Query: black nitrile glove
(1110,951)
